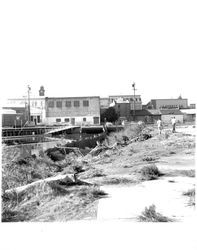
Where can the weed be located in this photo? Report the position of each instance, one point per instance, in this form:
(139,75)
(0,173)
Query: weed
(172,153)
(148,158)
(97,193)
(150,172)
(191,194)
(150,215)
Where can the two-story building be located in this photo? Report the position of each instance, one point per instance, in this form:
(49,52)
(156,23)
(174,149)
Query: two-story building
(135,101)
(73,110)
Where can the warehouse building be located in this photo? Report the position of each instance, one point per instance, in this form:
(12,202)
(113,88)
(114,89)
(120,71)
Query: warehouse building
(178,103)
(73,110)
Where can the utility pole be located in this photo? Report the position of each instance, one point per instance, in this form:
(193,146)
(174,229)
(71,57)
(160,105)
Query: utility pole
(29,111)
(134,89)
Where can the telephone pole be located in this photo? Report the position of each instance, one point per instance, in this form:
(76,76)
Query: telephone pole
(134,89)
(29,111)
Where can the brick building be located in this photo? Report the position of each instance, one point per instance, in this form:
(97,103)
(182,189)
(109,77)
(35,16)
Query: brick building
(73,110)
(167,104)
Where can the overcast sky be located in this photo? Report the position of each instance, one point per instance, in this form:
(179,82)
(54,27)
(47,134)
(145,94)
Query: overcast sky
(88,47)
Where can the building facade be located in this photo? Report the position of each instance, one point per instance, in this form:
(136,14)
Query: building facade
(37,107)
(73,110)
(123,110)
(167,103)
(135,103)
(189,115)
(15,117)
(167,115)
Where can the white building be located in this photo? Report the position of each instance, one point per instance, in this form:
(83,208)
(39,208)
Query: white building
(37,106)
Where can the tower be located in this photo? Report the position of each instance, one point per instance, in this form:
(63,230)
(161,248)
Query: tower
(41,91)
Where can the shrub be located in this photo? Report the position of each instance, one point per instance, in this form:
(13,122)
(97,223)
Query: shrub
(150,172)
(150,215)
(191,194)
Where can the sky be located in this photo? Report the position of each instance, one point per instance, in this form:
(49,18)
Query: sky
(88,47)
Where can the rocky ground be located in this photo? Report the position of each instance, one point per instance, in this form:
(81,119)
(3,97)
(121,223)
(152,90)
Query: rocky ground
(125,162)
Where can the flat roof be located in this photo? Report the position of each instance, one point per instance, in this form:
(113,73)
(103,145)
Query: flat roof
(122,95)
(188,111)
(25,98)
(169,99)
(8,111)
(171,112)
(74,97)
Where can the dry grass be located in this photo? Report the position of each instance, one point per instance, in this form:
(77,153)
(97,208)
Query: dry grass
(117,180)
(65,202)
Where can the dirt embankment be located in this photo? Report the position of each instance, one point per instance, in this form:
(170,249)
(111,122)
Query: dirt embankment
(127,157)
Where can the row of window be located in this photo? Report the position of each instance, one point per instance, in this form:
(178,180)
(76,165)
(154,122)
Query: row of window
(68,120)
(171,106)
(129,99)
(68,104)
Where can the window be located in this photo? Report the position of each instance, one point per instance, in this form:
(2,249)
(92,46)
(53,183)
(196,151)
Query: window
(84,119)
(51,104)
(96,120)
(76,103)
(68,104)
(85,103)
(131,99)
(66,119)
(58,120)
(38,119)
(59,104)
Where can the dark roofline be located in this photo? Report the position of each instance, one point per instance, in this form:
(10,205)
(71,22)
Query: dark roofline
(74,97)
(122,95)
(169,99)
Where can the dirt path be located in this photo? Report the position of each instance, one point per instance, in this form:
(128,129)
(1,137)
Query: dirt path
(166,193)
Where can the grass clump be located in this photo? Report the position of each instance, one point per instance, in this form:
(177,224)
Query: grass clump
(150,172)
(117,180)
(150,215)
(191,194)
(97,193)
(148,158)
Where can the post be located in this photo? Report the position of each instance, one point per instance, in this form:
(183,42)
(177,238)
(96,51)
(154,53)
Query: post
(29,111)
(134,89)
